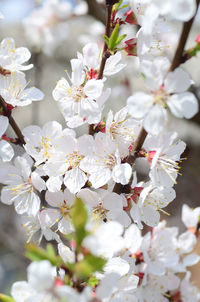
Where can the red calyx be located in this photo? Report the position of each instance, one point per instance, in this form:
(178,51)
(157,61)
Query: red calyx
(4,72)
(176,297)
(131,47)
(92,74)
(151,155)
(58,282)
(131,17)
(136,193)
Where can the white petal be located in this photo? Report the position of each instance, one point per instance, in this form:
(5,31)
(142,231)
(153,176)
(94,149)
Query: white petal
(183,10)
(177,81)
(93,88)
(34,94)
(54,183)
(122,173)
(150,216)
(117,265)
(183,105)
(100,177)
(60,90)
(4,122)
(66,254)
(74,180)
(6,151)
(38,182)
(155,120)
(139,104)
(21,291)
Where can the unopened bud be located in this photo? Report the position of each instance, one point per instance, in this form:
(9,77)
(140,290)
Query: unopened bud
(198,39)
(131,47)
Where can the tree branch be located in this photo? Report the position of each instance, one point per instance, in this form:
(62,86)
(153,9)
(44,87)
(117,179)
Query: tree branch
(96,10)
(182,42)
(105,54)
(12,121)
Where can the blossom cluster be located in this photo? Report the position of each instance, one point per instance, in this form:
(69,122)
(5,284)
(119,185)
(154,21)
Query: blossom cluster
(138,268)
(99,168)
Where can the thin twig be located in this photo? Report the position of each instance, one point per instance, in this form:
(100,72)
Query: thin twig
(12,121)
(182,42)
(96,10)
(105,54)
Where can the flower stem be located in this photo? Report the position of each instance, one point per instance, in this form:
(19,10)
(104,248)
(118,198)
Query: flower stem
(182,42)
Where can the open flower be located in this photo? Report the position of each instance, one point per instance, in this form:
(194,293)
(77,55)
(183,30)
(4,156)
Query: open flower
(21,186)
(92,56)
(163,154)
(105,164)
(78,101)
(168,91)
(61,203)
(12,58)
(66,161)
(122,129)
(149,202)
(13,90)
(105,206)
(40,143)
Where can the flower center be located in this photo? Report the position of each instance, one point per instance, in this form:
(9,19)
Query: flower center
(110,161)
(99,212)
(169,165)
(76,93)
(161,96)
(64,209)
(46,146)
(74,159)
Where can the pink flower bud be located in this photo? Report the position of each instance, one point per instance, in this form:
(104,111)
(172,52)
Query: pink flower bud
(131,47)
(131,17)
(198,39)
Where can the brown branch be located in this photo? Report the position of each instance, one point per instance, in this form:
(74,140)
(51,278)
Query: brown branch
(12,121)
(96,10)
(105,54)
(182,42)
(118,188)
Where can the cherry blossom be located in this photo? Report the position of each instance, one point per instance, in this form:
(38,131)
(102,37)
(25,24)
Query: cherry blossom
(106,163)
(163,154)
(21,186)
(12,58)
(80,102)
(168,91)
(14,92)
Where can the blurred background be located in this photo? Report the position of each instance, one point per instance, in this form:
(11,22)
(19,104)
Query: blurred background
(52,48)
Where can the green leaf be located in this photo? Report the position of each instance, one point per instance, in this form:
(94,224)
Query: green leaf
(50,250)
(117,5)
(113,38)
(106,39)
(120,39)
(36,253)
(93,282)
(4,298)
(79,216)
(88,266)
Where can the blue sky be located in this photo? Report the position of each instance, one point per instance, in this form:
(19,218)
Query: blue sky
(15,10)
